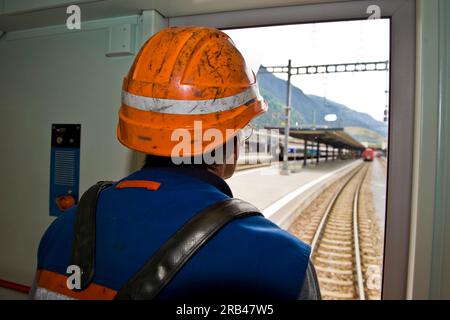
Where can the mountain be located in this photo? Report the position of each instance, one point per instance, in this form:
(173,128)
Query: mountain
(367,137)
(309,109)
(275,115)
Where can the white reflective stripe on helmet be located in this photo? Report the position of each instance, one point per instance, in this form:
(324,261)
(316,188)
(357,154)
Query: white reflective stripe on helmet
(189,106)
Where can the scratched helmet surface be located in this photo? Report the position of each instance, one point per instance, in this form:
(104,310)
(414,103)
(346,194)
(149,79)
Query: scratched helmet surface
(186,78)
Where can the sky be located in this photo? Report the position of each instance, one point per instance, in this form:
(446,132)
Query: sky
(325,43)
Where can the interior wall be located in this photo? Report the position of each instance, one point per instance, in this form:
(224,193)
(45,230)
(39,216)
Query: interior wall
(51,77)
(429,267)
(440,267)
(425,150)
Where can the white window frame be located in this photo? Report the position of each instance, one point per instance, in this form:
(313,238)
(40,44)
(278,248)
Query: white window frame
(402,99)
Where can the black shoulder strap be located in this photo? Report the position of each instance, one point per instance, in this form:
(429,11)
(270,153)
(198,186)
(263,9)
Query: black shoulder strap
(83,246)
(149,281)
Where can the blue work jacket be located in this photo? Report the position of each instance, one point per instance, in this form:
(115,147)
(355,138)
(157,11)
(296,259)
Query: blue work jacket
(249,258)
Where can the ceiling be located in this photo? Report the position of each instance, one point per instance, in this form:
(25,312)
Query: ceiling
(27,14)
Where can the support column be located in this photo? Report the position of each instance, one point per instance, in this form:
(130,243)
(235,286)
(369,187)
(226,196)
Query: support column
(305,157)
(309,157)
(287,125)
(326,153)
(318,151)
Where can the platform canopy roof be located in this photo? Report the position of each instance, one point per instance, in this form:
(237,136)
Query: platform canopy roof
(335,137)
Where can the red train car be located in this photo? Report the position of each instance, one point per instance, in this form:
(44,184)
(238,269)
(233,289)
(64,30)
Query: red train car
(369,154)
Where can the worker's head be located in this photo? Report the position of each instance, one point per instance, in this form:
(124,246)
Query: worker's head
(187,95)
(222,160)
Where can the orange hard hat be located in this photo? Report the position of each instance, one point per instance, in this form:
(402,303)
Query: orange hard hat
(183,76)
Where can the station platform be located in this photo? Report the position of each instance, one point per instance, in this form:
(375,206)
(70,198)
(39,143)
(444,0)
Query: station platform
(379,179)
(280,198)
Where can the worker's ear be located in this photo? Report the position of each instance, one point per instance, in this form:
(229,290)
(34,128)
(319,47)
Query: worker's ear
(231,151)
(231,157)
(236,148)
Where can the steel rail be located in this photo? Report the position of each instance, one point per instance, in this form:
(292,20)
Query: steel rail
(357,254)
(358,263)
(330,206)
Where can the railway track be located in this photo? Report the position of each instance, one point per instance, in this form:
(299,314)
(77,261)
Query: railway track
(345,257)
